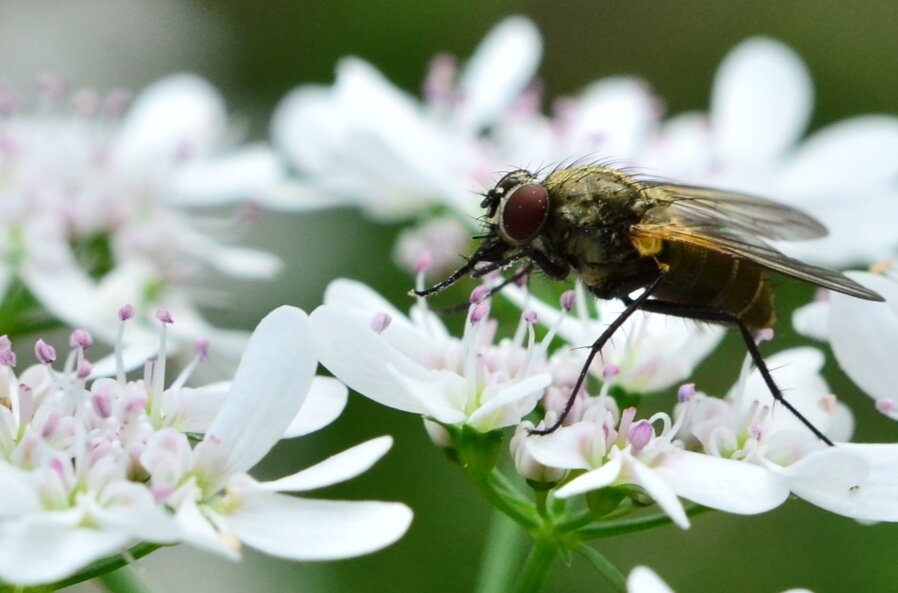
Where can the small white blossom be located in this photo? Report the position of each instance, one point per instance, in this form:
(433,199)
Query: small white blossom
(415,365)
(95,194)
(649,352)
(853,479)
(90,470)
(614,449)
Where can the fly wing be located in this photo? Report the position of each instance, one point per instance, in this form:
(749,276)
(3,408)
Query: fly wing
(733,224)
(706,207)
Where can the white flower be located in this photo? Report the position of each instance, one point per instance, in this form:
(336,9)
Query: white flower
(615,450)
(852,479)
(413,364)
(863,335)
(844,174)
(649,352)
(94,195)
(365,142)
(644,580)
(90,470)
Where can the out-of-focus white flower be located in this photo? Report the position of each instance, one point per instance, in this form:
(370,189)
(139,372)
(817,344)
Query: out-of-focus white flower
(90,470)
(845,174)
(615,450)
(365,142)
(644,580)
(852,479)
(413,363)
(95,195)
(863,335)
(649,352)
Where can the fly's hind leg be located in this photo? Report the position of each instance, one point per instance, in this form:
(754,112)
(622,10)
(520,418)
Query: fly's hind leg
(727,318)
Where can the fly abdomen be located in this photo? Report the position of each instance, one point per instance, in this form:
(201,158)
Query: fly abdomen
(715,280)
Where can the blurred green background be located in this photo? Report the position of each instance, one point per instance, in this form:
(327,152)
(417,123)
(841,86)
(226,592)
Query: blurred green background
(257,51)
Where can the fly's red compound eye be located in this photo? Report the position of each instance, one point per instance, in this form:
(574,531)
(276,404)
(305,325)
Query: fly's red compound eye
(524,212)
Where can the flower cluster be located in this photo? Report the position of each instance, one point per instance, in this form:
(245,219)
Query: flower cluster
(96,192)
(475,122)
(91,467)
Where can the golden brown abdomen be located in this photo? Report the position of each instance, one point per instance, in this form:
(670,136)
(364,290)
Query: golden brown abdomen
(707,278)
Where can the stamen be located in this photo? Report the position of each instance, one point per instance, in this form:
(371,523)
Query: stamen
(7,358)
(202,349)
(80,339)
(640,434)
(479,294)
(610,371)
(886,405)
(763,335)
(686,392)
(124,314)
(568,300)
(164,315)
(479,311)
(84,369)
(380,322)
(45,353)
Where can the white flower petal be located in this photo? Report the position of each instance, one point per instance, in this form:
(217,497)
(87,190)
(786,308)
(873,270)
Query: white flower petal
(301,196)
(643,580)
(732,486)
(324,404)
(133,511)
(19,494)
(812,320)
(335,469)
(359,357)
(242,175)
(832,160)
(658,488)
(761,102)
(877,494)
(238,262)
(177,112)
(268,389)
(197,531)
(852,479)
(483,418)
(36,552)
(613,119)
(303,529)
(591,480)
(864,336)
(565,448)
(306,125)
(503,64)
(197,408)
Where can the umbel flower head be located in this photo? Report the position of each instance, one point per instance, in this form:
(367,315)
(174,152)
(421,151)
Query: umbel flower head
(95,192)
(90,468)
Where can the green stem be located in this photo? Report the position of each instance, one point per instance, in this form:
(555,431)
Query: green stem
(633,525)
(494,490)
(537,567)
(106,565)
(501,555)
(601,564)
(123,580)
